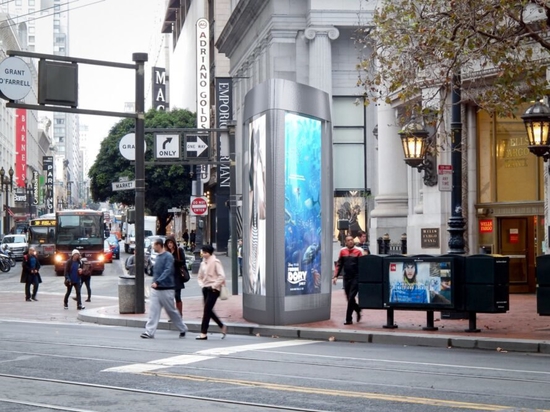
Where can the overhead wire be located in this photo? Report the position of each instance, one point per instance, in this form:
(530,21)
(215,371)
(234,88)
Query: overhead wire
(13,21)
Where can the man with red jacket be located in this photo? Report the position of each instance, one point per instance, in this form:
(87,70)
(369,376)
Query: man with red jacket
(348,262)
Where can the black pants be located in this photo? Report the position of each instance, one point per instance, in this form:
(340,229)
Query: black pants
(177,295)
(351,287)
(86,281)
(69,290)
(210,297)
(28,289)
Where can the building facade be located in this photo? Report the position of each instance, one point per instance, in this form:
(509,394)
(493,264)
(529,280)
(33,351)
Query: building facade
(312,42)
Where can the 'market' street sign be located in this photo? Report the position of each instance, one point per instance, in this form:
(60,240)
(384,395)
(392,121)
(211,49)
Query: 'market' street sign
(128,185)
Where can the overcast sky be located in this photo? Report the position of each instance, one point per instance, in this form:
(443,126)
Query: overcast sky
(112,30)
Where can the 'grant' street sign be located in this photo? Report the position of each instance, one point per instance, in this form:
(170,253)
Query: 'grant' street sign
(15,79)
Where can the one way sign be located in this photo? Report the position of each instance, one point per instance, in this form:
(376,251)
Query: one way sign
(167,146)
(197,146)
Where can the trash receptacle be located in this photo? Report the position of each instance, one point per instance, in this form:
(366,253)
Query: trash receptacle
(127,294)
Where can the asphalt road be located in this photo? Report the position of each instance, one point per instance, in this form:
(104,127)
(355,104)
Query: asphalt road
(82,367)
(71,367)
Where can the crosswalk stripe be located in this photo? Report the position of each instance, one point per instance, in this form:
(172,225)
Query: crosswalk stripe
(203,355)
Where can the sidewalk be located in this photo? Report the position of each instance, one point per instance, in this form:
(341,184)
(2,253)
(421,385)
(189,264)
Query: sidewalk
(521,329)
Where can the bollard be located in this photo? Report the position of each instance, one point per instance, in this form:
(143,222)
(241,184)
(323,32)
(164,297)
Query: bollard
(126,294)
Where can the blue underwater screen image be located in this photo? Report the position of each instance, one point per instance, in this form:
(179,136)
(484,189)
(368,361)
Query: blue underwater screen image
(302,205)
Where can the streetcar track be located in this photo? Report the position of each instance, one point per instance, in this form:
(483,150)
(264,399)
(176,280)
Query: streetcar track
(328,365)
(320,379)
(149,392)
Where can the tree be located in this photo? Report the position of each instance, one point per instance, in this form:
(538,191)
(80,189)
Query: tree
(500,48)
(165,186)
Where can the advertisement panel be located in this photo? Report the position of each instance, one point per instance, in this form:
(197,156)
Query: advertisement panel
(47,166)
(257,210)
(159,97)
(20,147)
(302,205)
(224,115)
(420,283)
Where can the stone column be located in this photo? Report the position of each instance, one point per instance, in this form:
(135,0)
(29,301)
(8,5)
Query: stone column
(391,202)
(320,56)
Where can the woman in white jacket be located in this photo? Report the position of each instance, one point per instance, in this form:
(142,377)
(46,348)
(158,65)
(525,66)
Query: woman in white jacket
(211,278)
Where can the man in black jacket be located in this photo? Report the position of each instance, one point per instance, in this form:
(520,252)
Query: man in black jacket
(348,262)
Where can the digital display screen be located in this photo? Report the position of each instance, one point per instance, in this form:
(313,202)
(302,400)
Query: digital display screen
(257,216)
(423,282)
(43,222)
(302,205)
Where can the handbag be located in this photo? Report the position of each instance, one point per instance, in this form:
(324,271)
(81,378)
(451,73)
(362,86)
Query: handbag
(185,277)
(224,293)
(67,282)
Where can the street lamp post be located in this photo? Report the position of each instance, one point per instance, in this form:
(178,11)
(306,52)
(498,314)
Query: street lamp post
(456,221)
(7,186)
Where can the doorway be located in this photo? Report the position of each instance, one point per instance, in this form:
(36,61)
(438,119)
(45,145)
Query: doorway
(517,238)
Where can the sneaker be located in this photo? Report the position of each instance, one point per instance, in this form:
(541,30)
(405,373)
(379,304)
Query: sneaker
(66,307)
(182,335)
(145,335)
(80,308)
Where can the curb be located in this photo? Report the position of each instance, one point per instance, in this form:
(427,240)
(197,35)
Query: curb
(381,338)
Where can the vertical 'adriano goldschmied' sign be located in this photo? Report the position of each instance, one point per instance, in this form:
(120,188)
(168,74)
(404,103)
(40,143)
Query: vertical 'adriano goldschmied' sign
(203,82)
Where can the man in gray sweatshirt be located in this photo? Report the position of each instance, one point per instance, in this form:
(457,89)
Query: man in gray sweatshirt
(162,293)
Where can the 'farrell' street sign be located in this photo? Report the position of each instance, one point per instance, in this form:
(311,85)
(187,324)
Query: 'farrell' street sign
(15,78)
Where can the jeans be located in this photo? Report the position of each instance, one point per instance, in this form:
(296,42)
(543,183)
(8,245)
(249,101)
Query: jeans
(210,297)
(77,287)
(86,281)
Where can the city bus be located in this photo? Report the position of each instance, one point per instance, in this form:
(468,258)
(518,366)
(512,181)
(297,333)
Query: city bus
(83,230)
(41,236)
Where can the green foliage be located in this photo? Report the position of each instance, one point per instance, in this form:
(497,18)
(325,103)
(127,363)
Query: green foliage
(497,47)
(165,186)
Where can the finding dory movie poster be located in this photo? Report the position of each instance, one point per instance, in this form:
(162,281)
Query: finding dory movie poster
(302,205)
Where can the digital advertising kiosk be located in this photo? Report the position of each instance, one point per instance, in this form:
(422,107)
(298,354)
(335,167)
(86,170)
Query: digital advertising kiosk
(287,204)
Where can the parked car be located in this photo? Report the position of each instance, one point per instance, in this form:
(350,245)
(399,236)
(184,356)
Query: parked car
(149,251)
(115,248)
(17,244)
(107,252)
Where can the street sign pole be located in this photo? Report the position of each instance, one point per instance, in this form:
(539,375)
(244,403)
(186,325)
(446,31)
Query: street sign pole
(140,59)
(197,191)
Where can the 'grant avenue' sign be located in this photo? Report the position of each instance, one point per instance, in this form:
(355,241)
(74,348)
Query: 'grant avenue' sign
(15,79)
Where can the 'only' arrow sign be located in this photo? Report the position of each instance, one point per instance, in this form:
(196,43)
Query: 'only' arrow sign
(167,141)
